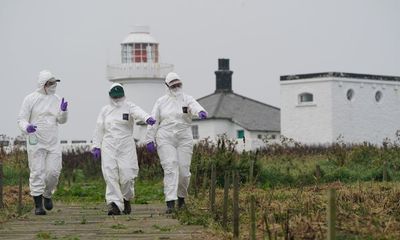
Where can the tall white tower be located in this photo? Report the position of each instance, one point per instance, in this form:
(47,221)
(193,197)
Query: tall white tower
(140,71)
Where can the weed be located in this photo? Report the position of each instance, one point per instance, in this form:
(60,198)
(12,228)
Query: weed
(59,222)
(118,226)
(162,228)
(44,235)
(83,220)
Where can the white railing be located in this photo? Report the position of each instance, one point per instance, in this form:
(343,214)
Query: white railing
(138,70)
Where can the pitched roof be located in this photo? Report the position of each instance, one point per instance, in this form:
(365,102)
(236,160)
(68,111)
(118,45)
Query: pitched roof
(248,113)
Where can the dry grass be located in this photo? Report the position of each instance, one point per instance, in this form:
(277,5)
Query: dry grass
(366,210)
(10,201)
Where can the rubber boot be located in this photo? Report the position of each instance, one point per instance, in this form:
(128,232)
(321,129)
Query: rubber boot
(127,207)
(113,209)
(170,206)
(181,202)
(39,205)
(48,203)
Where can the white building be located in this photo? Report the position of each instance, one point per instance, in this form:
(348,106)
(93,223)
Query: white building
(237,116)
(325,107)
(140,72)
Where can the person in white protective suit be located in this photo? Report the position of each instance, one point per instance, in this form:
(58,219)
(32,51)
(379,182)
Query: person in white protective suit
(172,135)
(114,143)
(40,114)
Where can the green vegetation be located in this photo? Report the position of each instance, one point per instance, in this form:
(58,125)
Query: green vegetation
(162,228)
(289,182)
(118,226)
(44,235)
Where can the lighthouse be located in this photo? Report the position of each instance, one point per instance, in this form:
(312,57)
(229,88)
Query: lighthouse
(140,72)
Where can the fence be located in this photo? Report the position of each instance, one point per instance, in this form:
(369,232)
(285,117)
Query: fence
(220,167)
(235,176)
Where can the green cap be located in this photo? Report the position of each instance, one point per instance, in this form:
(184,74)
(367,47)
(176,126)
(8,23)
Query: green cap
(116,92)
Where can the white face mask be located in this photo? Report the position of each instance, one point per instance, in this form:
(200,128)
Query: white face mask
(118,102)
(50,90)
(176,91)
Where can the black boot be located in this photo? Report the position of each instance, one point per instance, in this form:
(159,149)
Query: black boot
(113,209)
(181,202)
(39,205)
(127,207)
(170,206)
(48,203)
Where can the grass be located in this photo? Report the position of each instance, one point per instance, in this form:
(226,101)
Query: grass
(365,210)
(286,187)
(94,191)
(118,226)
(162,228)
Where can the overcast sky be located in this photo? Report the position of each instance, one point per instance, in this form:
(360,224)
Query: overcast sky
(263,39)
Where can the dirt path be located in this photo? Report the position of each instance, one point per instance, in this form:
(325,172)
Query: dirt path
(73,221)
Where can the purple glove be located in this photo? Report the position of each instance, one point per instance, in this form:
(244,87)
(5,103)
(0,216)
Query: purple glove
(151,147)
(64,105)
(202,115)
(150,121)
(31,128)
(96,153)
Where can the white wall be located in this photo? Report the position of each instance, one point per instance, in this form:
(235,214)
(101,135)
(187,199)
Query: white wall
(214,127)
(363,118)
(311,122)
(332,115)
(144,92)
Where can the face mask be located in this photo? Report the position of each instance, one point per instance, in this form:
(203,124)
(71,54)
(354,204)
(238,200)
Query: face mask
(118,102)
(50,90)
(176,91)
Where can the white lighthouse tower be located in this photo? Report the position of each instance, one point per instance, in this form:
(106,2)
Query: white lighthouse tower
(140,71)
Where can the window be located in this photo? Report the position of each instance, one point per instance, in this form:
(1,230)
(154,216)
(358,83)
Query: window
(306,97)
(139,52)
(350,94)
(126,54)
(378,96)
(195,131)
(240,134)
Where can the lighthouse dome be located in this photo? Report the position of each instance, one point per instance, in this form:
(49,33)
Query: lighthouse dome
(141,34)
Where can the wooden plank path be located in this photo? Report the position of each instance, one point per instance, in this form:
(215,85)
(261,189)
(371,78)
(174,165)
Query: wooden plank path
(73,221)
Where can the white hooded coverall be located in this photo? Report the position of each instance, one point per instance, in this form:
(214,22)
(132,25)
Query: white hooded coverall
(114,136)
(43,110)
(173,135)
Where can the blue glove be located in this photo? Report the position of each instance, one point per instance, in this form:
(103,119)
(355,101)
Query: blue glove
(31,128)
(202,115)
(151,147)
(64,105)
(96,152)
(150,121)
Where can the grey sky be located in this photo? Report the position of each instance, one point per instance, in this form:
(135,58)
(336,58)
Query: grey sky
(263,39)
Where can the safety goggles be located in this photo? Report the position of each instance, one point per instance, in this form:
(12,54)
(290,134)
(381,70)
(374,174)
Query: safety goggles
(51,82)
(177,85)
(48,84)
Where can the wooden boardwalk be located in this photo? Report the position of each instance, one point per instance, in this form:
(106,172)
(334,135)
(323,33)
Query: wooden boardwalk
(73,221)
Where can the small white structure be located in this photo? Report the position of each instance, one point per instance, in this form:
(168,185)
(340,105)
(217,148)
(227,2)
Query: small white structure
(326,107)
(140,72)
(243,119)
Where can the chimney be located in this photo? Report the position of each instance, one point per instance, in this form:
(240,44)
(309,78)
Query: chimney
(223,76)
